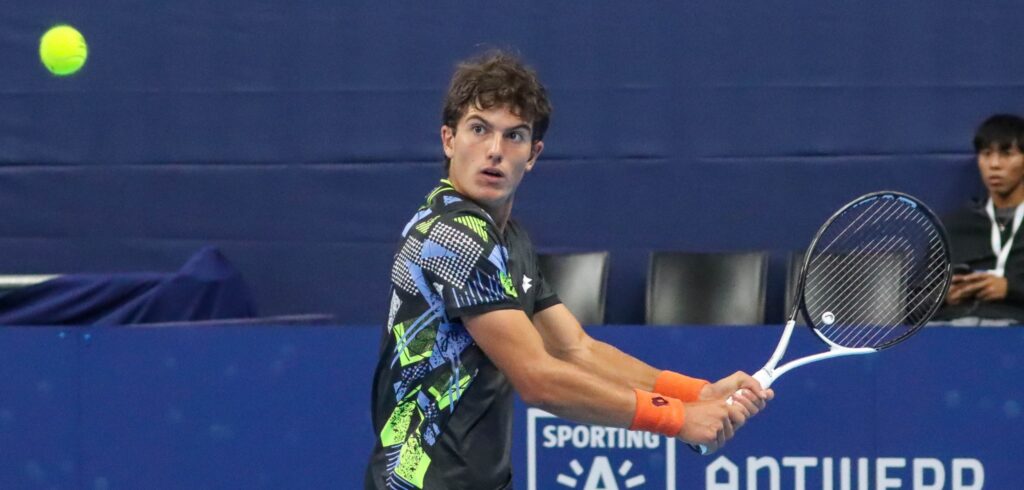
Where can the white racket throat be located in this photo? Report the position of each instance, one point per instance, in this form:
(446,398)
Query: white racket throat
(770,372)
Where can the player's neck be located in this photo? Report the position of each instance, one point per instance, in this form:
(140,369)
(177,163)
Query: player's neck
(1008,200)
(499,211)
(500,214)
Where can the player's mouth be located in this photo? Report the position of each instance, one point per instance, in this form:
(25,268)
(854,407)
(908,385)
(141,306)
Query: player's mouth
(492,174)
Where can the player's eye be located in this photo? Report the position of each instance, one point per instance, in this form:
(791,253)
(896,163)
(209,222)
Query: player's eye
(478,129)
(517,136)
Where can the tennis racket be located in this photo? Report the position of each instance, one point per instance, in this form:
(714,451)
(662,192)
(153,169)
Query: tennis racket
(874,274)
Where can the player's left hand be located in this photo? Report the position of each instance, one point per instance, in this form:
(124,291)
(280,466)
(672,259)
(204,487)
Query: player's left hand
(748,398)
(752,400)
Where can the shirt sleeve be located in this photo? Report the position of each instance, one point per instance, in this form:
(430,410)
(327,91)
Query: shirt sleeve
(467,265)
(546,295)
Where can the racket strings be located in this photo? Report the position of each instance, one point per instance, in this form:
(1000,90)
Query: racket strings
(887,306)
(878,325)
(896,302)
(883,267)
(836,270)
(823,252)
(881,333)
(865,293)
(903,314)
(817,261)
(821,260)
(906,270)
(858,291)
(875,207)
(837,267)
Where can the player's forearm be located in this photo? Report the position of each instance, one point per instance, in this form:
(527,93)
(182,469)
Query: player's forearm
(634,373)
(606,361)
(566,340)
(567,390)
(542,373)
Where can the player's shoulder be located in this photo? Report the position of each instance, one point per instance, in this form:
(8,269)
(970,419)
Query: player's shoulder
(461,208)
(516,233)
(445,200)
(449,216)
(469,220)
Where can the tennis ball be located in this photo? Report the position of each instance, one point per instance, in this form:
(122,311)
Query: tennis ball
(63,50)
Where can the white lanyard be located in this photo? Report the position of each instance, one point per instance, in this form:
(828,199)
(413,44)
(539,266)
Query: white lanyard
(1001,251)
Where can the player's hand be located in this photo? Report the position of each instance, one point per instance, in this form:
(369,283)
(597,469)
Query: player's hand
(708,423)
(745,404)
(729,385)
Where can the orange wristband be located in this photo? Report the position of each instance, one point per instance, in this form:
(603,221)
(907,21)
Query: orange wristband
(677,386)
(658,413)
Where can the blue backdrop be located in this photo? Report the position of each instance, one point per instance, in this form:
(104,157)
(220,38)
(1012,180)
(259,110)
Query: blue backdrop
(257,406)
(299,138)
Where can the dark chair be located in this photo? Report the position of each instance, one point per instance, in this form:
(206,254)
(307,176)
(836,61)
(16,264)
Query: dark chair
(581,280)
(706,288)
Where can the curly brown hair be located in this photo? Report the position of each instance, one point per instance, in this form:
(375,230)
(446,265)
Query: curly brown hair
(497,78)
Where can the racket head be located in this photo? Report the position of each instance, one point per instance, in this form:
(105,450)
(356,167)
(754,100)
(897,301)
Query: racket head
(876,271)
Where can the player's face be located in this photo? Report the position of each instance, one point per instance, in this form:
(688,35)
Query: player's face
(1002,170)
(490,151)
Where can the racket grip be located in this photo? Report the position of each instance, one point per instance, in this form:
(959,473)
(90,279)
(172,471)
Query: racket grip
(764,377)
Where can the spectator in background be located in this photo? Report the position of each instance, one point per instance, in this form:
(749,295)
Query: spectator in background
(987,251)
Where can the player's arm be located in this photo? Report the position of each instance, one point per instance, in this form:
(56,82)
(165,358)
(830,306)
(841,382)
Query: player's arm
(544,381)
(565,339)
(565,389)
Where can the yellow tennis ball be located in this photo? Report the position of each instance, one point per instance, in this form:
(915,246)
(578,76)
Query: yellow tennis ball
(63,50)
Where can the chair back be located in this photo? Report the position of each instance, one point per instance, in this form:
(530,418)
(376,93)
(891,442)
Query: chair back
(581,281)
(706,288)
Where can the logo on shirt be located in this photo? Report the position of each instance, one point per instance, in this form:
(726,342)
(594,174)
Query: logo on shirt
(527,282)
(506,283)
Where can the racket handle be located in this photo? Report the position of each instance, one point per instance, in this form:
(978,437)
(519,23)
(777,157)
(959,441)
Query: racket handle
(764,377)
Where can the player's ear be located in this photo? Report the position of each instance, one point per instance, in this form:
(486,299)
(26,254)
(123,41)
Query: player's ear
(447,140)
(538,146)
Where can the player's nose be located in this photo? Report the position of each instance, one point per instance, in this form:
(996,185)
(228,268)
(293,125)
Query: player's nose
(495,147)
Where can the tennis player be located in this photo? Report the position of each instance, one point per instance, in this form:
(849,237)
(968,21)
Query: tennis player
(471,317)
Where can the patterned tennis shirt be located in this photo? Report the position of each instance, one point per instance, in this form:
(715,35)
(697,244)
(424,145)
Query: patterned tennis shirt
(442,411)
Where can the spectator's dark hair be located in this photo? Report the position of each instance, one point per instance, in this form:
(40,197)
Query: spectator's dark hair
(495,79)
(1003,131)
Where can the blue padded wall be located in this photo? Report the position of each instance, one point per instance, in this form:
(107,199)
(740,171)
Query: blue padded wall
(299,138)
